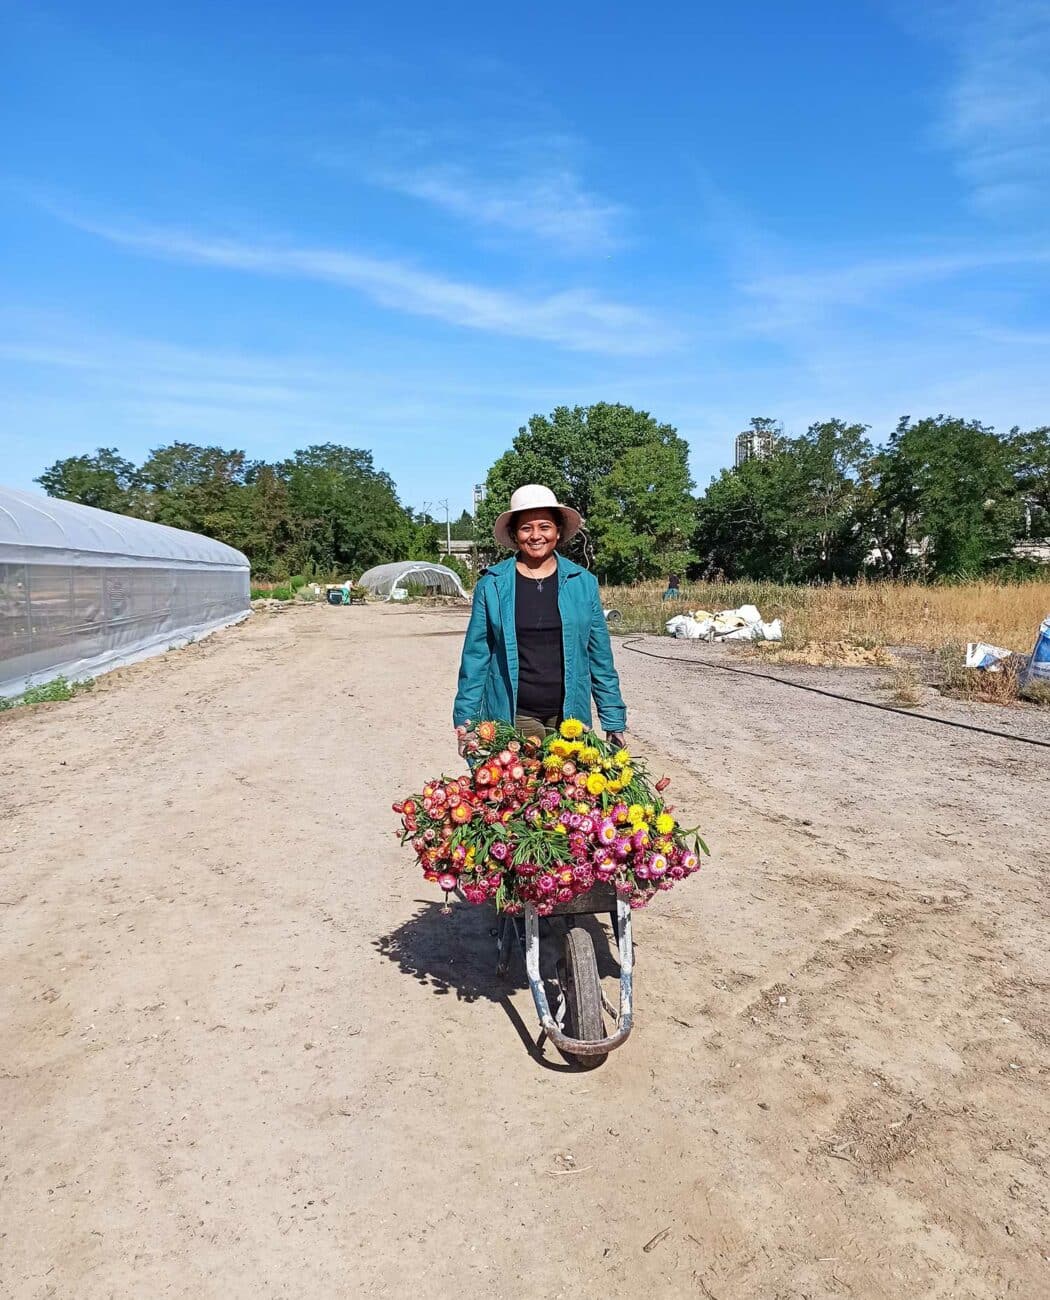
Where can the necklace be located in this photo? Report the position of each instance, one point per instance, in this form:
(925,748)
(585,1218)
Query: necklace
(538,581)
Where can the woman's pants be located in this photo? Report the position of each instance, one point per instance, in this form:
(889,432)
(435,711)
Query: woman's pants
(538,727)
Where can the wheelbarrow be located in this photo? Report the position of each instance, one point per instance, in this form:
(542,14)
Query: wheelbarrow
(576,1026)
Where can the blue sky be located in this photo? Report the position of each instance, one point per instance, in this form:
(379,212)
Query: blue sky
(409,227)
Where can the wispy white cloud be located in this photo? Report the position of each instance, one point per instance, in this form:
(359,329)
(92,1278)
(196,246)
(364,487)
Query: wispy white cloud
(790,298)
(578,319)
(997,115)
(551,207)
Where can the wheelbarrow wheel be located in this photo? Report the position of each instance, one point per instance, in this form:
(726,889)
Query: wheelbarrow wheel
(583,990)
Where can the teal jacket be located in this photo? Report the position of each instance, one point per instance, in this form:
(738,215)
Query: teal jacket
(488,671)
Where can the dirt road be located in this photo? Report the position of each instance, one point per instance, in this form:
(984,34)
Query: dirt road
(243,1054)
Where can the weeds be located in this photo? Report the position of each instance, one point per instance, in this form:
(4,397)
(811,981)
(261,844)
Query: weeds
(904,686)
(51,692)
(1004,686)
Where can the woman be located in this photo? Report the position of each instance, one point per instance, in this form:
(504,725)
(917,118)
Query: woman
(537,646)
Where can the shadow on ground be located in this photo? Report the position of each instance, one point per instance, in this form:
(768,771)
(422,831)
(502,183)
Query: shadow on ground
(454,954)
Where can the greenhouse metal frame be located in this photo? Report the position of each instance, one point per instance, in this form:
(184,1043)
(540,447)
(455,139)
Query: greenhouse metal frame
(83,591)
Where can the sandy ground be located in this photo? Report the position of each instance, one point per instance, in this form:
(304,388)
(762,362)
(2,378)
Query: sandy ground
(242,1053)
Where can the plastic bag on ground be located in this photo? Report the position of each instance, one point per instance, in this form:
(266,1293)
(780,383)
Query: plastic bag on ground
(981,655)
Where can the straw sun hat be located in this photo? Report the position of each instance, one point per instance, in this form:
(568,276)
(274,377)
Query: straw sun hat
(533,496)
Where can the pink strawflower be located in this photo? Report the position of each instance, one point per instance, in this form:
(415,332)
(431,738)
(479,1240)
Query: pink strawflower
(447,881)
(607,831)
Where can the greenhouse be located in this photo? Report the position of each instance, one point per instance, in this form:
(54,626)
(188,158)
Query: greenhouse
(83,591)
(396,581)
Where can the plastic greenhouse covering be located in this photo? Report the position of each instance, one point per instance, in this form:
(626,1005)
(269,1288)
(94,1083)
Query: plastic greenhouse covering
(83,590)
(393,581)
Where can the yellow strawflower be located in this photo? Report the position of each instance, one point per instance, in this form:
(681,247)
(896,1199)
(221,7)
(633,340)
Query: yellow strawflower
(636,813)
(589,756)
(596,783)
(571,728)
(614,787)
(560,748)
(665,823)
(627,776)
(621,758)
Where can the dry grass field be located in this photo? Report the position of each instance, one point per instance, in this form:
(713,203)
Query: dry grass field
(865,614)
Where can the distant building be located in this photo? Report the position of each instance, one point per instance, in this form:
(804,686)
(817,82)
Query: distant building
(753,444)
(465,551)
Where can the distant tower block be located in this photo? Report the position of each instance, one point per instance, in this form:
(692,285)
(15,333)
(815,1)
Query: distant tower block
(753,444)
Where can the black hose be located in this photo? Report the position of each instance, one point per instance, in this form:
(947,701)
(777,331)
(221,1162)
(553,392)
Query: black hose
(834,695)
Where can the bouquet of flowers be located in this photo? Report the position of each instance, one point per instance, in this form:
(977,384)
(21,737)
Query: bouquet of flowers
(544,821)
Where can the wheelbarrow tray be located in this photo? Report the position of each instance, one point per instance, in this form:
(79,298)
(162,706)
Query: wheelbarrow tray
(600,898)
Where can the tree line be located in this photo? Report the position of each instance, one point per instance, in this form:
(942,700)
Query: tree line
(942,497)
(324,510)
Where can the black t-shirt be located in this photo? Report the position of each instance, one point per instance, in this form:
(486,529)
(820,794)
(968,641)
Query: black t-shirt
(541,660)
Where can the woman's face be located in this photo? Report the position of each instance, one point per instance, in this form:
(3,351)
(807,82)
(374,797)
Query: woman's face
(536,533)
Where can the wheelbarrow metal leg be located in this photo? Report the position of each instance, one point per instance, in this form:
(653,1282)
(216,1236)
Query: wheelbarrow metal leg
(579,1046)
(505,939)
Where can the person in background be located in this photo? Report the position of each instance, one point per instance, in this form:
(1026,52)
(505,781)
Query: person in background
(672,592)
(537,647)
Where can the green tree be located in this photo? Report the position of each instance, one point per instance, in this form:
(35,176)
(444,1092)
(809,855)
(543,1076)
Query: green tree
(795,516)
(105,480)
(826,502)
(1030,457)
(742,524)
(944,497)
(198,488)
(352,509)
(572,451)
(643,514)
